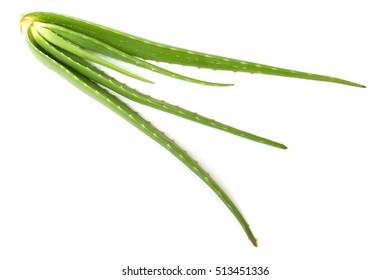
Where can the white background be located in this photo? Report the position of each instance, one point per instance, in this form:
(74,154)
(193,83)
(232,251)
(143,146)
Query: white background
(83,194)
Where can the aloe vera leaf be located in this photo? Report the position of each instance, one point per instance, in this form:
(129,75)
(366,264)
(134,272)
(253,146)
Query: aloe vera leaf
(97,46)
(60,42)
(123,110)
(102,78)
(155,51)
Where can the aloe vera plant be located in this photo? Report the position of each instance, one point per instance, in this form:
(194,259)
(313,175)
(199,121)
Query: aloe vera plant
(68,45)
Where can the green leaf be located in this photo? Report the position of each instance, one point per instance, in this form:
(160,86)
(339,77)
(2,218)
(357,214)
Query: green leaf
(150,50)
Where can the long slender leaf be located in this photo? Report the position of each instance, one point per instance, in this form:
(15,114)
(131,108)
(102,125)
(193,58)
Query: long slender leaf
(150,50)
